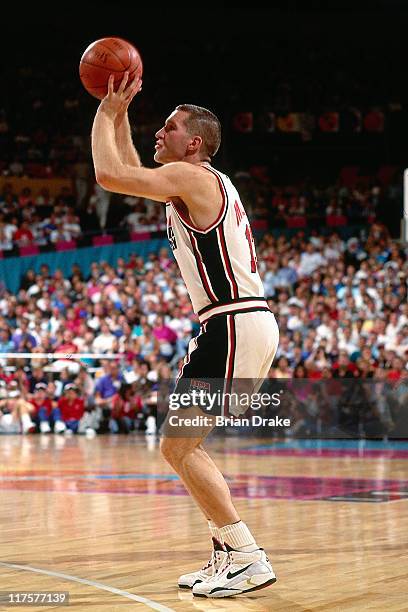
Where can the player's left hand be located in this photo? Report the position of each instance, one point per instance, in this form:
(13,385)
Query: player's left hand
(117,102)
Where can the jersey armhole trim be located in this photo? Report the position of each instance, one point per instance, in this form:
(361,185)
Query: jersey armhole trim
(224,207)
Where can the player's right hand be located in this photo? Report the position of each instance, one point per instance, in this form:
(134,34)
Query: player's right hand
(117,102)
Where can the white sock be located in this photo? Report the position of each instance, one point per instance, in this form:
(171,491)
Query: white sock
(26,421)
(215,532)
(239,537)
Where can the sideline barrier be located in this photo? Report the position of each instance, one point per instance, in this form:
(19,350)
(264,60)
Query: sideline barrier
(12,268)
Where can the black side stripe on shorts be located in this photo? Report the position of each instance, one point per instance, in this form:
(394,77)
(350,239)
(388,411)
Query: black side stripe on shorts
(208,360)
(232,345)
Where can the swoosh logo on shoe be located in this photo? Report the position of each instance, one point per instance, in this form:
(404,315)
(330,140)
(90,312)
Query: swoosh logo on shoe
(229,575)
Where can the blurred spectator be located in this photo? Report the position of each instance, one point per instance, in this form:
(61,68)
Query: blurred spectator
(46,414)
(15,412)
(6,343)
(108,385)
(125,405)
(23,235)
(71,407)
(22,339)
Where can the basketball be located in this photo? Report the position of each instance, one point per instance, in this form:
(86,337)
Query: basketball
(108,56)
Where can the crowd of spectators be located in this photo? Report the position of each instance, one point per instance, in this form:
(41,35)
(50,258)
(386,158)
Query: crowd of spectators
(341,306)
(347,201)
(76,214)
(45,221)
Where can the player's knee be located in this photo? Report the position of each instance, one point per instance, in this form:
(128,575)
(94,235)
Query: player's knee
(168,449)
(174,450)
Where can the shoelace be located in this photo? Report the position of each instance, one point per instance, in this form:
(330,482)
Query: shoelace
(211,562)
(224,565)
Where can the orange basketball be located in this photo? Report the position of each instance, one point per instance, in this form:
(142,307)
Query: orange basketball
(108,56)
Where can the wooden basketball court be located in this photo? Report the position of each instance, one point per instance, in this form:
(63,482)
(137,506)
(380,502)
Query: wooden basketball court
(108,521)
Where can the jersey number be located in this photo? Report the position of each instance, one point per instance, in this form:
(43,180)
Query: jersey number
(171,237)
(248,236)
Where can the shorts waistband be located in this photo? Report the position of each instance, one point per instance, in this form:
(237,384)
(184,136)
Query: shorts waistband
(233,307)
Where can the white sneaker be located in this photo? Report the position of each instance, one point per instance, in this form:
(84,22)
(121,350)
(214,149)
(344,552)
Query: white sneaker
(6,420)
(59,427)
(239,573)
(27,426)
(150,426)
(45,427)
(187,581)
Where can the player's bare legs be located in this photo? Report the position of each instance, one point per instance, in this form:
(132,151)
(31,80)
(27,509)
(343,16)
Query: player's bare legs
(237,564)
(201,478)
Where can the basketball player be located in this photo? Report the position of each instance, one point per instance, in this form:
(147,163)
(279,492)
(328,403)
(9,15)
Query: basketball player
(212,242)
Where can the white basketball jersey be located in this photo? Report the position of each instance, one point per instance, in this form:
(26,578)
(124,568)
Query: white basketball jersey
(218,264)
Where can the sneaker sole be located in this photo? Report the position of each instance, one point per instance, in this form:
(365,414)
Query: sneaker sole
(187,586)
(226,594)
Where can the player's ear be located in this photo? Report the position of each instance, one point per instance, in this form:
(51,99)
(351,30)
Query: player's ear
(195,143)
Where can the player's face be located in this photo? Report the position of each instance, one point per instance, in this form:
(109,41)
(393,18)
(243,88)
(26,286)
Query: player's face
(172,139)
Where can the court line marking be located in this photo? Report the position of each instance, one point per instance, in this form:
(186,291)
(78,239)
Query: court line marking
(98,585)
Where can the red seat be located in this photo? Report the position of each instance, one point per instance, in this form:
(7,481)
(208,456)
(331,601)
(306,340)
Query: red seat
(66,245)
(135,236)
(336,220)
(259,224)
(295,222)
(30,249)
(102,240)
(36,170)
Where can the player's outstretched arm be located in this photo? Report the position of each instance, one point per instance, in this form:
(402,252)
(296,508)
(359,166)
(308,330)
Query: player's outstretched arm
(113,174)
(160,184)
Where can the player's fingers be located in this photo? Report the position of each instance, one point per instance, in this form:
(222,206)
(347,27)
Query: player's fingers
(133,89)
(110,84)
(136,86)
(123,82)
(130,93)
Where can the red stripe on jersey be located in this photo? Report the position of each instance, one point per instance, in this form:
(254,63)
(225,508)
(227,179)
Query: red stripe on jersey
(227,262)
(239,212)
(201,269)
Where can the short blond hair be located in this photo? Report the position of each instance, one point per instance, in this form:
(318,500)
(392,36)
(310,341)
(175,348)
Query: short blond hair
(203,123)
